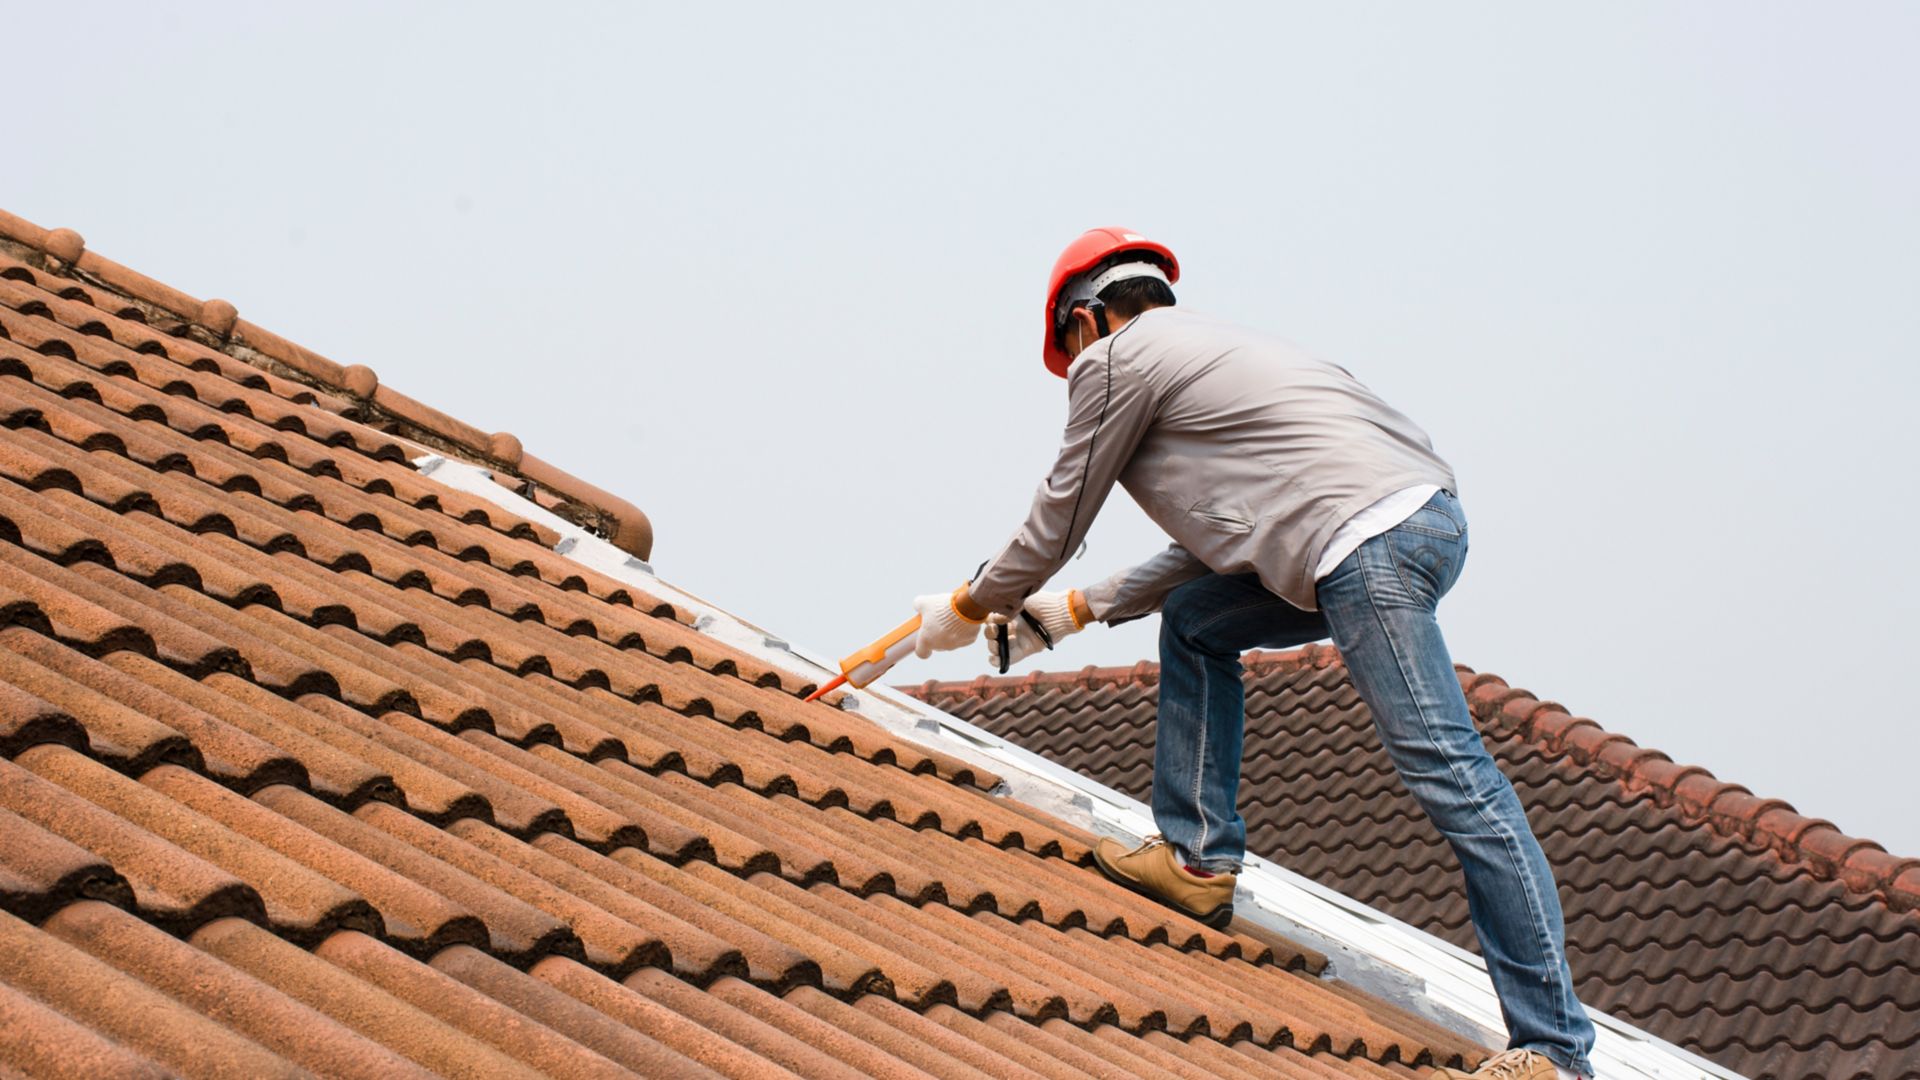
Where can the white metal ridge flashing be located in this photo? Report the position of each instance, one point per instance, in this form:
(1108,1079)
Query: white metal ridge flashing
(1365,947)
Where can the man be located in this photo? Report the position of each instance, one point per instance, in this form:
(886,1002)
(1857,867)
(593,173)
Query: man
(1301,507)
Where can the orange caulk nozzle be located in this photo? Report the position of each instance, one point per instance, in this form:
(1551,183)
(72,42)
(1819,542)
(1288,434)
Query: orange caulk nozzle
(873,661)
(832,685)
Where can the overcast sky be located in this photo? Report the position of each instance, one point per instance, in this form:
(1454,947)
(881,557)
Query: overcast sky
(1647,273)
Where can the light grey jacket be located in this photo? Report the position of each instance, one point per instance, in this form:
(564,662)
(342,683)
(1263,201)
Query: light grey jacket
(1247,451)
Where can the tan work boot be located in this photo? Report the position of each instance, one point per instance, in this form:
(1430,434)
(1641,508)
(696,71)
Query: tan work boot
(1154,871)
(1510,1065)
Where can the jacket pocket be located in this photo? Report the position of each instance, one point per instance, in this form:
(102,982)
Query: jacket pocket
(1222,520)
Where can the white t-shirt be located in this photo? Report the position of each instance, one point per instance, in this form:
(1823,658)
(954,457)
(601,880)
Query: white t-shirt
(1383,514)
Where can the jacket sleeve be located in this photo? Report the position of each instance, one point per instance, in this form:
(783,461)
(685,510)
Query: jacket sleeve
(1109,409)
(1140,590)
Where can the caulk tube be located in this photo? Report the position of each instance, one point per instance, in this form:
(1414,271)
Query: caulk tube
(870,663)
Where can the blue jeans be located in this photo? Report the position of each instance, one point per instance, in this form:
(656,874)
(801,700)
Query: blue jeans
(1378,607)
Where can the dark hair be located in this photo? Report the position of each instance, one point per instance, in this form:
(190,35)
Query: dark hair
(1125,299)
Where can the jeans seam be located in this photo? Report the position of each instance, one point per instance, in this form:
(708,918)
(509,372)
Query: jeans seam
(1200,762)
(1535,910)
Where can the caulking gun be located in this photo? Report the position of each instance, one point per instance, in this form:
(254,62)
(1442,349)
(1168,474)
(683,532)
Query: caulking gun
(865,665)
(868,664)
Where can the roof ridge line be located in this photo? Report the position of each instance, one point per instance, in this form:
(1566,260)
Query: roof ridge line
(1695,794)
(1691,792)
(216,324)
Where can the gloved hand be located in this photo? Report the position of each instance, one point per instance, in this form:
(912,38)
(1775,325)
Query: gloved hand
(942,626)
(1010,641)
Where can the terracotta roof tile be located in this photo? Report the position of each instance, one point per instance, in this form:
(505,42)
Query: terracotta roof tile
(170,1034)
(309,761)
(202,334)
(377,1015)
(43,1042)
(297,902)
(568,1016)
(231,997)
(1731,924)
(170,886)
(41,872)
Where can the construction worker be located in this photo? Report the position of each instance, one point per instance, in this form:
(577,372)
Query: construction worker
(1301,507)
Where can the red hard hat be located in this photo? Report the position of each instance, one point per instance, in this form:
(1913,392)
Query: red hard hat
(1093,247)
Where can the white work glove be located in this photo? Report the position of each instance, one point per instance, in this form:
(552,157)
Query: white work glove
(1010,641)
(942,627)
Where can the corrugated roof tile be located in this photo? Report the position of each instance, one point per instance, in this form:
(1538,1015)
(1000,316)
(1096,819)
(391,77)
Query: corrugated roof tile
(570,1017)
(173,1035)
(239,1001)
(274,672)
(373,1012)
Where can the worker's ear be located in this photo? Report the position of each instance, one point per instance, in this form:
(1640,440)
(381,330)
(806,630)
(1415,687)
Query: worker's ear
(1082,329)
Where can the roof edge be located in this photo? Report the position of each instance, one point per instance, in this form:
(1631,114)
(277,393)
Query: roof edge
(217,324)
(1692,792)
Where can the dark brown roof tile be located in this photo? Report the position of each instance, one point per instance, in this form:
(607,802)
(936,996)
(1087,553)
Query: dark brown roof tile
(1733,924)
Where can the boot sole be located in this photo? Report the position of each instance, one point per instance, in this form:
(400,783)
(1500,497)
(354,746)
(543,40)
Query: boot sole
(1217,919)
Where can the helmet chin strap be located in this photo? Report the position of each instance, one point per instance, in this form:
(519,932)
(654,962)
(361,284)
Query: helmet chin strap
(1099,313)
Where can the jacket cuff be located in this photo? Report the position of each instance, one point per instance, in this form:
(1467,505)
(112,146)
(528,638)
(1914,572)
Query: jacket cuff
(966,607)
(1079,609)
